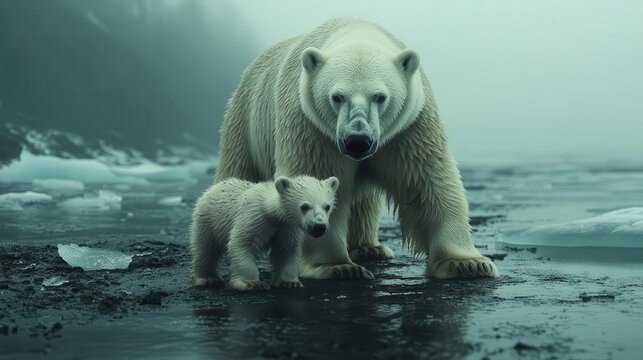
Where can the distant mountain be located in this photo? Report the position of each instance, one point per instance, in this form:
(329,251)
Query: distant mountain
(80,78)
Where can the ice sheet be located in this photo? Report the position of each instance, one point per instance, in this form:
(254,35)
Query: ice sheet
(104,200)
(621,228)
(93,258)
(16,200)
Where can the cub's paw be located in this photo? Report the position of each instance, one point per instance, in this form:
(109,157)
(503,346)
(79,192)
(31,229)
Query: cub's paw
(249,285)
(371,253)
(285,284)
(350,271)
(213,282)
(462,268)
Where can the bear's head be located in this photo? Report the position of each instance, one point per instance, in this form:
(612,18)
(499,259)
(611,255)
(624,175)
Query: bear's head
(360,94)
(307,202)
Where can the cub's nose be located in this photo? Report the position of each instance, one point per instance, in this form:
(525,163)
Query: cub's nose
(318,230)
(358,144)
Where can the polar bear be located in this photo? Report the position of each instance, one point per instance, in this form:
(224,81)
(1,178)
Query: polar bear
(249,218)
(348,99)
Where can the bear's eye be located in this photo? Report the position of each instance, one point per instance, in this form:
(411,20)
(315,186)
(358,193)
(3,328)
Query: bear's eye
(338,98)
(327,208)
(305,207)
(379,98)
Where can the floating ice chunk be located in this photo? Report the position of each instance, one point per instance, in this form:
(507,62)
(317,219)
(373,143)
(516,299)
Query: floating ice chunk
(58,186)
(621,228)
(54,281)
(16,201)
(171,201)
(154,172)
(105,200)
(31,167)
(93,258)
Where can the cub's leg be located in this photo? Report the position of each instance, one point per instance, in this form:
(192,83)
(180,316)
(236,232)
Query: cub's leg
(207,250)
(363,242)
(246,242)
(285,256)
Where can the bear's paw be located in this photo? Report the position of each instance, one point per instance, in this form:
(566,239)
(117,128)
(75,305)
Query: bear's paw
(462,268)
(249,285)
(371,253)
(285,284)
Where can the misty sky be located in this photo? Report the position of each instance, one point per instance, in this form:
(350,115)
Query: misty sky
(512,78)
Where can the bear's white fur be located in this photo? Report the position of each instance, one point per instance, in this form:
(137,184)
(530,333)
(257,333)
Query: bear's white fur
(249,218)
(348,99)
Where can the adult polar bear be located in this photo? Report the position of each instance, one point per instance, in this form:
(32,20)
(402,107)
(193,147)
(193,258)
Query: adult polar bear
(348,100)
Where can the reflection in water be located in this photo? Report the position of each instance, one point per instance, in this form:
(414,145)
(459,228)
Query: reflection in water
(353,318)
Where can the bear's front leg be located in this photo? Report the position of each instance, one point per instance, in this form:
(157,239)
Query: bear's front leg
(421,177)
(363,227)
(285,256)
(242,251)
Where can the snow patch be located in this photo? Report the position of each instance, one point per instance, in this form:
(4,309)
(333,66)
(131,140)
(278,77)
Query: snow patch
(16,201)
(621,228)
(104,200)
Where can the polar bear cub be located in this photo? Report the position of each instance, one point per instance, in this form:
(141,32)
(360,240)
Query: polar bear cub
(248,218)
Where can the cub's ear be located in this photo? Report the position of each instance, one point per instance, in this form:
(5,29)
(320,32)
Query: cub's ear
(311,59)
(409,61)
(282,184)
(332,182)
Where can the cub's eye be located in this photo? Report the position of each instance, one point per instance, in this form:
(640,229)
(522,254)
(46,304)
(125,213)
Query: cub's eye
(338,98)
(327,208)
(305,207)
(379,98)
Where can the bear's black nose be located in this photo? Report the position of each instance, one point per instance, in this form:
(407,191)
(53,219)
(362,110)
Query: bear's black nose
(358,145)
(318,230)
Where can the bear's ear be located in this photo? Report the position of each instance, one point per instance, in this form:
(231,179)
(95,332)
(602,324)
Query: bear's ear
(409,61)
(282,184)
(332,182)
(311,59)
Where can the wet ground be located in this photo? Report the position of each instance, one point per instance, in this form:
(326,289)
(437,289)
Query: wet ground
(547,304)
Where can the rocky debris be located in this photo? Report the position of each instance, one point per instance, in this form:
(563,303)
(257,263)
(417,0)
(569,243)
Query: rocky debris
(153,297)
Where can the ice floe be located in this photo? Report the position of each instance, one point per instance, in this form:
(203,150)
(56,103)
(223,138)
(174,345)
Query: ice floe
(17,200)
(621,228)
(91,171)
(104,200)
(58,186)
(171,201)
(93,258)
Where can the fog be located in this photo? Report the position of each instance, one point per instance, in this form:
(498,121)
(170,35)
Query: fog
(513,79)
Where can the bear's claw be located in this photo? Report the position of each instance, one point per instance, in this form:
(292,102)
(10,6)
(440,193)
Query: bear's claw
(462,268)
(248,285)
(351,271)
(284,284)
(370,253)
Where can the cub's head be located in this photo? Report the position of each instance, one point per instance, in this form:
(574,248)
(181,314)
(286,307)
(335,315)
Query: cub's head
(360,94)
(307,202)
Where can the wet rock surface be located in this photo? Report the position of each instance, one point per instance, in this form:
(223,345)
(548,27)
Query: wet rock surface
(541,307)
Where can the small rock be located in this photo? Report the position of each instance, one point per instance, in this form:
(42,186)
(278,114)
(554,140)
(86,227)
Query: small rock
(4,330)
(598,297)
(521,346)
(109,304)
(153,298)
(56,327)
